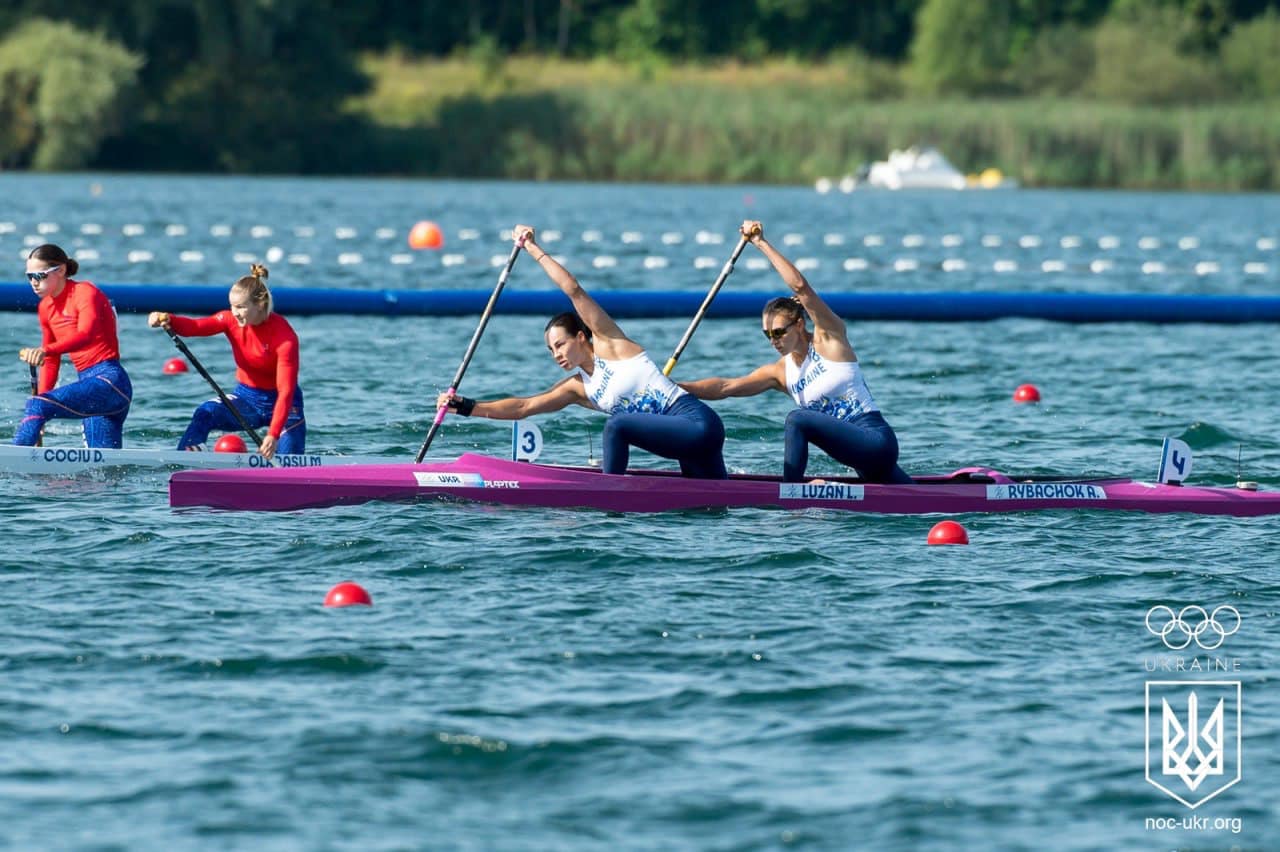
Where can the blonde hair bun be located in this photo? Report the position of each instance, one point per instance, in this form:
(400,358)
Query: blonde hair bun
(254,285)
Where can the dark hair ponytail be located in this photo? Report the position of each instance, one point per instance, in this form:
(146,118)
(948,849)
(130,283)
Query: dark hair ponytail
(570,322)
(54,255)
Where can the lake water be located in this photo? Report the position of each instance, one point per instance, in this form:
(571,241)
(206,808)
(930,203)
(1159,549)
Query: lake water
(560,679)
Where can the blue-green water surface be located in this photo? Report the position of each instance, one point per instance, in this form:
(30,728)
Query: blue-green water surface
(537,679)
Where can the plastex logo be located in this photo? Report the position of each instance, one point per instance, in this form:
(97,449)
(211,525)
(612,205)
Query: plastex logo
(1193,624)
(1193,737)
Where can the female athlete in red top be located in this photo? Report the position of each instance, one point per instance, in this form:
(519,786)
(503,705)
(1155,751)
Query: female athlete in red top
(76,320)
(265,349)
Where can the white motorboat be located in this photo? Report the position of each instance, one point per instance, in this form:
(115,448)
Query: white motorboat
(918,167)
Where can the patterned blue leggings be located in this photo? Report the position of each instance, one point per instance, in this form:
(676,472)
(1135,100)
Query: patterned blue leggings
(256,407)
(689,432)
(866,443)
(100,396)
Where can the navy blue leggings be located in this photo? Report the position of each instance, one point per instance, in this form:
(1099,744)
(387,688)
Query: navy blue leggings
(689,432)
(866,443)
(100,396)
(256,407)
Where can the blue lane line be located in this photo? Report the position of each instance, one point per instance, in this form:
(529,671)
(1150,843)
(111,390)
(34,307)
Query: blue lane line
(927,306)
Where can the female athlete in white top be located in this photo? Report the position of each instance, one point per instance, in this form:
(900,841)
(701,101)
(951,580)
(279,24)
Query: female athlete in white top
(821,373)
(613,374)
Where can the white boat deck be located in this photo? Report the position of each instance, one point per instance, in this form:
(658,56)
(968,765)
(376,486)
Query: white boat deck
(73,460)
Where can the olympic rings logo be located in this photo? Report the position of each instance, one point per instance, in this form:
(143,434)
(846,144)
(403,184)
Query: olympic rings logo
(1191,624)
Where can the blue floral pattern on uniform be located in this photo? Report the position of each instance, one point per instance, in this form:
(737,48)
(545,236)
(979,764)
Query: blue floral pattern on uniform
(840,409)
(645,403)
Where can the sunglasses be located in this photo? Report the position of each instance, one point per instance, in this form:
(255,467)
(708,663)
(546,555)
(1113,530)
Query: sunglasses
(779,332)
(37,277)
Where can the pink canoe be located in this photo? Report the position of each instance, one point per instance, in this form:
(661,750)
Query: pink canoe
(484,479)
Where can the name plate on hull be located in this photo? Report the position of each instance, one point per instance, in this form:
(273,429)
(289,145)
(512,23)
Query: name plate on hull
(819,491)
(449,480)
(1046,491)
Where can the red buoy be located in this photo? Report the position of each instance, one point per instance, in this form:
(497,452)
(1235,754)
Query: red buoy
(948,532)
(1026,393)
(230,444)
(174,366)
(348,594)
(426,235)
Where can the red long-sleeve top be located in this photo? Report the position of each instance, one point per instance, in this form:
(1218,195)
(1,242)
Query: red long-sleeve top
(266,355)
(79,323)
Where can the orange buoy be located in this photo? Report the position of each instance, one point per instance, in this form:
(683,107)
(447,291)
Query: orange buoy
(174,366)
(948,532)
(348,594)
(230,444)
(1026,393)
(426,235)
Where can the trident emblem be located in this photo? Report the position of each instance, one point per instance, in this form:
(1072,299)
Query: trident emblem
(1193,750)
(1182,753)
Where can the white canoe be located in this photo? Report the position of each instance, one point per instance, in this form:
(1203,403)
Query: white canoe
(72,460)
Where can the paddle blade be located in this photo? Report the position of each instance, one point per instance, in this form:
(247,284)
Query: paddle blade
(35,391)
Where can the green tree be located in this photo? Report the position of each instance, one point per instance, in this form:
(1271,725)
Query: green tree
(57,111)
(1058,62)
(1034,23)
(1198,26)
(876,28)
(1251,56)
(641,29)
(260,89)
(227,84)
(1141,58)
(961,47)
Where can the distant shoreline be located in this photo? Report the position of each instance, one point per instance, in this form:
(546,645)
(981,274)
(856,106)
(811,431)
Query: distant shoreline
(782,124)
(773,123)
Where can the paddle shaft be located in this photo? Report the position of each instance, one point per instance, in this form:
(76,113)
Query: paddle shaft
(35,391)
(471,350)
(706,303)
(195,362)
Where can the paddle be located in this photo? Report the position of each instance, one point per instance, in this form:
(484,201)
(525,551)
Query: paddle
(35,391)
(706,303)
(195,362)
(471,349)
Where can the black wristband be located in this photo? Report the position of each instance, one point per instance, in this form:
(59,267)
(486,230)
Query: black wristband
(462,405)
